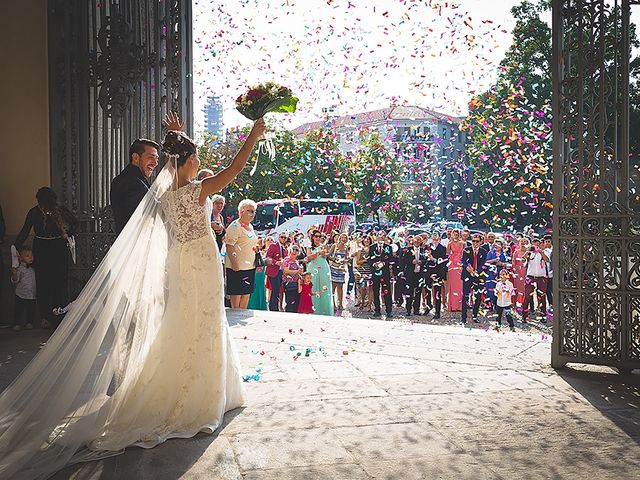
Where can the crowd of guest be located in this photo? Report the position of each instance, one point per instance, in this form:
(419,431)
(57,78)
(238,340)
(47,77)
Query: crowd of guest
(317,271)
(306,272)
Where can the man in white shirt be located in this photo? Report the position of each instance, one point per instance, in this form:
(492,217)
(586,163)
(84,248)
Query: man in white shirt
(536,279)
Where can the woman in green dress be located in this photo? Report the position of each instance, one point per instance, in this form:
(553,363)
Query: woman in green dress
(258,299)
(318,266)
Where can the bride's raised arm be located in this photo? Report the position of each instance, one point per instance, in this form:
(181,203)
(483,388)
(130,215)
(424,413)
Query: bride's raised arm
(216,183)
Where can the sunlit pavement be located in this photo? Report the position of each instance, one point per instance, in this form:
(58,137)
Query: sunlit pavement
(351,398)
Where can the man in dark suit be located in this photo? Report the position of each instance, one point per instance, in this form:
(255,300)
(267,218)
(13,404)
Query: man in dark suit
(437,270)
(380,257)
(413,262)
(473,276)
(397,271)
(132,184)
(129,188)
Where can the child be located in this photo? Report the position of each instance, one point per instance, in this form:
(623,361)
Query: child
(503,292)
(305,287)
(24,278)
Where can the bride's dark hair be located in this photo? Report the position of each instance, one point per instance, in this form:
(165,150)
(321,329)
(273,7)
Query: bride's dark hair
(178,144)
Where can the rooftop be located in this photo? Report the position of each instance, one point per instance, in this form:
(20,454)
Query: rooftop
(384,115)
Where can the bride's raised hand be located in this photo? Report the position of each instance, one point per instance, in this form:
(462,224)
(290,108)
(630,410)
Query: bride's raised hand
(259,128)
(172,121)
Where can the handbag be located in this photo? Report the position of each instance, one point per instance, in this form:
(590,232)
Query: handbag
(258,261)
(71,243)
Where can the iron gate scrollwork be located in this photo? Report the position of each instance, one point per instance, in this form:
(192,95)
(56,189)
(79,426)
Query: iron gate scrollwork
(596,188)
(115,68)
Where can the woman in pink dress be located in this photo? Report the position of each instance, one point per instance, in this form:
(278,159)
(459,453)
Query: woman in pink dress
(454,252)
(519,270)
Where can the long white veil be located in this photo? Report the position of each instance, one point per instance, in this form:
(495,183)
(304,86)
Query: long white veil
(63,398)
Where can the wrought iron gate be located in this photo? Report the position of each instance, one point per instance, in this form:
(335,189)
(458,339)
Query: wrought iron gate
(596,188)
(115,68)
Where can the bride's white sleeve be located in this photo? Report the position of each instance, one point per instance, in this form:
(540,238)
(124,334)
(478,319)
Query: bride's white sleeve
(60,402)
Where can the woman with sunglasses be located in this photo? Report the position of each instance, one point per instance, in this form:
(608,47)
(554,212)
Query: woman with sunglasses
(241,241)
(318,266)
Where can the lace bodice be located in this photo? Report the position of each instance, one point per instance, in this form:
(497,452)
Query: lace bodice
(188,220)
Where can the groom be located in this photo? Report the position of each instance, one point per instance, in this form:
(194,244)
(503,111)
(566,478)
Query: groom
(132,184)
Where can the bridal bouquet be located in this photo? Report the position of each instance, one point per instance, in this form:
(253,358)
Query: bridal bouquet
(265,98)
(260,100)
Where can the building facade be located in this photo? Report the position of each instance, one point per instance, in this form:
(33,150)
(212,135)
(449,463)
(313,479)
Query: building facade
(429,144)
(213,121)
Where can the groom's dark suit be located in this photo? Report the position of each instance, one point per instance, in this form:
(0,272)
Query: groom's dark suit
(127,191)
(474,258)
(380,258)
(414,276)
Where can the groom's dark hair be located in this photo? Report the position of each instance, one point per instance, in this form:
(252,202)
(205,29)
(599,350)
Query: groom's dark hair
(139,145)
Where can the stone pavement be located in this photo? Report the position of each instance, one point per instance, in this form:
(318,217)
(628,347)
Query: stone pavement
(357,399)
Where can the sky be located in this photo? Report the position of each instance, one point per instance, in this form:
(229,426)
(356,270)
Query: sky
(349,55)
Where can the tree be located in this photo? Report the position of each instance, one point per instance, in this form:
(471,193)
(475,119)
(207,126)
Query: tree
(414,204)
(322,165)
(509,126)
(373,176)
(308,167)
(509,130)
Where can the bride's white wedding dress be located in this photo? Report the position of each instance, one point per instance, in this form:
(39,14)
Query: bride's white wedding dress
(144,353)
(191,375)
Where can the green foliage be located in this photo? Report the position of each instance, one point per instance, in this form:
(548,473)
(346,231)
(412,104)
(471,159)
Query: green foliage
(413,205)
(509,126)
(312,166)
(374,176)
(509,130)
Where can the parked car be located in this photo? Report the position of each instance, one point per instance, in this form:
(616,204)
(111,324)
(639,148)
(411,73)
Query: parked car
(406,231)
(368,227)
(443,225)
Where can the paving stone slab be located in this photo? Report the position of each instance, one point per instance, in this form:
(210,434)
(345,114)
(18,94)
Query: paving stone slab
(395,441)
(291,448)
(418,384)
(344,471)
(474,407)
(563,463)
(275,392)
(576,435)
(320,414)
(430,467)
(494,380)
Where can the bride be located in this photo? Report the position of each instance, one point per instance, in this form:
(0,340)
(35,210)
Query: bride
(144,353)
